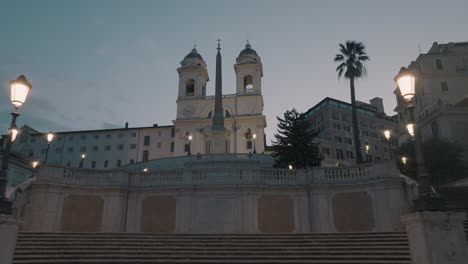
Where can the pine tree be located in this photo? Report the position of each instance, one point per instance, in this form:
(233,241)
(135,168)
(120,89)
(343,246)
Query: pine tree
(294,142)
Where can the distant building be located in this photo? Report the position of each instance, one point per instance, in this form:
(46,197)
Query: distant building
(441,98)
(113,148)
(331,118)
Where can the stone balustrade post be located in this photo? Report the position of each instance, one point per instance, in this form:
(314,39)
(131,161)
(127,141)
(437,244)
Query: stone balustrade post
(436,237)
(9,226)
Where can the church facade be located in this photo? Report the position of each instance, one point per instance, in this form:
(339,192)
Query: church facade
(191,132)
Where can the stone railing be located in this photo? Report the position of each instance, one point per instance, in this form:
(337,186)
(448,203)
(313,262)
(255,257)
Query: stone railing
(216,176)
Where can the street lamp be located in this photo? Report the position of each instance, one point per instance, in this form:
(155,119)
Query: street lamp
(34,164)
(387,134)
(145,170)
(367,152)
(50,137)
(190,145)
(404,160)
(290,167)
(19,90)
(83,156)
(427,200)
(13,132)
(254,137)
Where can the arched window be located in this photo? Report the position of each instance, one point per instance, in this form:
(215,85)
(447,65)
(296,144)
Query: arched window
(227,114)
(190,87)
(248,83)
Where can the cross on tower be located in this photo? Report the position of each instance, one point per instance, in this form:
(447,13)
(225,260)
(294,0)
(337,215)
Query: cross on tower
(194,44)
(219,47)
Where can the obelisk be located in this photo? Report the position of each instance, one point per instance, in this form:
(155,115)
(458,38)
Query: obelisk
(218,131)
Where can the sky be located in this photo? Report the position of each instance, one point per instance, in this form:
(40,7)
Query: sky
(99,64)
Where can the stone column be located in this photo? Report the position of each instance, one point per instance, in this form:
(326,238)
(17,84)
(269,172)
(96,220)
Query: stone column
(8,233)
(436,237)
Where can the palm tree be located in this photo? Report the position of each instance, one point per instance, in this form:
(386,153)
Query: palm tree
(351,58)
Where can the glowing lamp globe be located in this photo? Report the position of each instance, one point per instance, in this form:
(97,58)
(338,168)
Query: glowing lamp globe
(406,86)
(19,91)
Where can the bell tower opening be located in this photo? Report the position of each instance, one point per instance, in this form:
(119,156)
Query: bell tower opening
(190,87)
(248,84)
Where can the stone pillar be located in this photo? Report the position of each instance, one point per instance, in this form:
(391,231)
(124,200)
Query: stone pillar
(8,233)
(436,237)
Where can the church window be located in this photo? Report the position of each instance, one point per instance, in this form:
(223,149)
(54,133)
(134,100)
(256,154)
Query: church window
(145,155)
(248,83)
(106,163)
(187,147)
(172,146)
(119,163)
(190,87)
(227,114)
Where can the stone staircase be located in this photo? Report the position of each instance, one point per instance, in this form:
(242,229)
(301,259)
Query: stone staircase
(341,248)
(456,200)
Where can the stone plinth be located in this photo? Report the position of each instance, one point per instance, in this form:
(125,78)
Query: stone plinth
(436,237)
(8,232)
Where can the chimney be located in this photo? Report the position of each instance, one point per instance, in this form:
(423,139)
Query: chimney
(377,102)
(126,125)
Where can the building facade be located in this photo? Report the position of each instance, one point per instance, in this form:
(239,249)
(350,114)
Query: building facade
(113,148)
(331,118)
(441,82)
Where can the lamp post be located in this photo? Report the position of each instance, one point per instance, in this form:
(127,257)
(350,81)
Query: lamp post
(19,92)
(189,145)
(254,137)
(50,137)
(83,156)
(427,200)
(387,134)
(367,152)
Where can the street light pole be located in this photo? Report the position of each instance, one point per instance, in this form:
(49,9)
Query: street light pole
(190,145)
(19,92)
(427,200)
(387,134)
(50,137)
(83,156)
(254,137)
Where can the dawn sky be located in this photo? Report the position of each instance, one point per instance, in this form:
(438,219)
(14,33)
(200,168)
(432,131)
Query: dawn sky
(98,64)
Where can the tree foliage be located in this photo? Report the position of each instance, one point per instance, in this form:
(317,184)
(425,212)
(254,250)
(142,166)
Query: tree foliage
(442,159)
(294,142)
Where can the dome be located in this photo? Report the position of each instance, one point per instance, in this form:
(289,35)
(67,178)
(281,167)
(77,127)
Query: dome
(248,50)
(193,54)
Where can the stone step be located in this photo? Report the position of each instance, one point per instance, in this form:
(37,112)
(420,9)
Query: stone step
(198,248)
(330,256)
(217,261)
(344,248)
